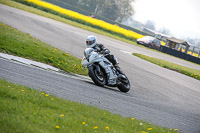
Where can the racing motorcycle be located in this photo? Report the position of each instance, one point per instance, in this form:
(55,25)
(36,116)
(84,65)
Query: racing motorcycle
(102,71)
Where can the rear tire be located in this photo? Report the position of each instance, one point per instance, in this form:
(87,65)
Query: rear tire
(124,86)
(98,78)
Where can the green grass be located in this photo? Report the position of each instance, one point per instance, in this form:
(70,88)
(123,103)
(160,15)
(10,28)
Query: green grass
(24,45)
(25,110)
(175,67)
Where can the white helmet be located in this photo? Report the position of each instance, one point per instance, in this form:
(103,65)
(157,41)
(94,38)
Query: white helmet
(91,41)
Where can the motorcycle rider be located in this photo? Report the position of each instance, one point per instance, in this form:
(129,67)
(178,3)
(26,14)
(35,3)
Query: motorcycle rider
(91,42)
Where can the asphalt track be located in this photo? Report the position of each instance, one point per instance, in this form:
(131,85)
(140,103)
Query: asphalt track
(157,95)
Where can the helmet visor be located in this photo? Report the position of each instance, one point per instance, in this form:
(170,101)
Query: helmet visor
(90,42)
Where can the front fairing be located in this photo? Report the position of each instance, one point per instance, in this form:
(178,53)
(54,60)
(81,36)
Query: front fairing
(92,58)
(84,62)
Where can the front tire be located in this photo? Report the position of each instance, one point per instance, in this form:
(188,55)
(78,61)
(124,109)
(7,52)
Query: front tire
(98,78)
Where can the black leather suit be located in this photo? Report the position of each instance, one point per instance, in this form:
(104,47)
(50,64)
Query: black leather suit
(100,49)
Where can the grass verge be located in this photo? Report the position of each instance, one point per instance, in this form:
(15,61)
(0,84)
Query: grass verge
(175,67)
(24,45)
(25,110)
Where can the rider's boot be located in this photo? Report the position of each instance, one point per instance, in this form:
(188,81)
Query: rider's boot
(119,69)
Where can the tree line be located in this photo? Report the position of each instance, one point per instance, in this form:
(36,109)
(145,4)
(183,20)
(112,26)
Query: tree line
(115,10)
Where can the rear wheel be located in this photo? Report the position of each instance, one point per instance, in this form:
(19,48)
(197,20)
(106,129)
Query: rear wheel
(98,77)
(124,86)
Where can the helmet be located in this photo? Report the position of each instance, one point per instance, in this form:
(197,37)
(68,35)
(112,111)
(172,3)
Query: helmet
(91,41)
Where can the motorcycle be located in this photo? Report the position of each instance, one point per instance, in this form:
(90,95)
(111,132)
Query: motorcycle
(102,71)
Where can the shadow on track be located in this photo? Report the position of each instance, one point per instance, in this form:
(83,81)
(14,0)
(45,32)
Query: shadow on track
(109,88)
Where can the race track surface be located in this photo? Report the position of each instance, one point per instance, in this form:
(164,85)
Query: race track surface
(157,95)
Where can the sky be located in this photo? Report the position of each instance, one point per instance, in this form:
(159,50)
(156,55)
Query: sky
(181,17)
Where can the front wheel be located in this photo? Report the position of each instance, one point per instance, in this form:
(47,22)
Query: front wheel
(98,77)
(124,85)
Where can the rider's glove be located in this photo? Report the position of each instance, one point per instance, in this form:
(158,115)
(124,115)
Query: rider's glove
(105,52)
